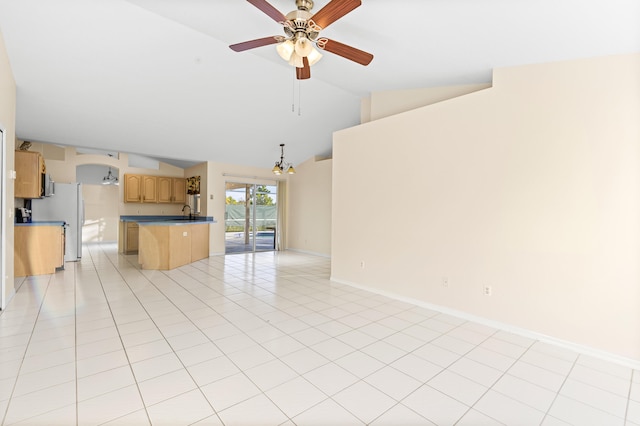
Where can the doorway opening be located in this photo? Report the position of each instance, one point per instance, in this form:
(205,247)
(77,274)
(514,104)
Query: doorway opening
(250,218)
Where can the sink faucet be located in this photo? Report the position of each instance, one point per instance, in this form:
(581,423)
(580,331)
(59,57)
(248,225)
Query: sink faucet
(184,207)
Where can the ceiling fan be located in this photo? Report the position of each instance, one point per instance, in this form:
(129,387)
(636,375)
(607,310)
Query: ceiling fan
(302,30)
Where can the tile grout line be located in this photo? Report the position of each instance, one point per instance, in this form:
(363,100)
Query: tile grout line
(626,411)
(243,332)
(163,335)
(299,375)
(459,356)
(119,336)
(259,344)
(24,355)
(564,381)
(592,385)
(247,290)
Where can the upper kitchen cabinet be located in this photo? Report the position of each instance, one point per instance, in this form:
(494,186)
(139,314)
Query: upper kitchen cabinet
(29,171)
(179,190)
(140,189)
(172,190)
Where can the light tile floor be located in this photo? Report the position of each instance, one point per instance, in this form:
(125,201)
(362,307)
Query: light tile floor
(267,339)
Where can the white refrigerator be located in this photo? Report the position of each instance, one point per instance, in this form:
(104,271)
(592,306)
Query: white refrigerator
(66,204)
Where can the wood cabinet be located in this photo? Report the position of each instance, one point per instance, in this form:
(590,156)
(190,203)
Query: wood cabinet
(131,232)
(154,189)
(179,192)
(149,189)
(170,246)
(38,250)
(140,188)
(199,241)
(172,190)
(29,170)
(132,188)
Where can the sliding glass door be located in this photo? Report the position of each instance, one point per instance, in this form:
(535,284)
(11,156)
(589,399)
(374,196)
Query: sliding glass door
(250,217)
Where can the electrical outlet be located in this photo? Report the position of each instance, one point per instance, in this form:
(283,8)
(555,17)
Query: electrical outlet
(445,282)
(487,290)
(362,264)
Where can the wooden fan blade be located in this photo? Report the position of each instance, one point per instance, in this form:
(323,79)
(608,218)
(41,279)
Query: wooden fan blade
(305,72)
(252,44)
(333,11)
(271,11)
(351,53)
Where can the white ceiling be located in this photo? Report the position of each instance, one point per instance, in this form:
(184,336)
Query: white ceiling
(156,77)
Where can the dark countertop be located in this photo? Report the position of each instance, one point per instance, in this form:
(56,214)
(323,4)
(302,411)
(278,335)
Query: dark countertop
(42,223)
(167,220)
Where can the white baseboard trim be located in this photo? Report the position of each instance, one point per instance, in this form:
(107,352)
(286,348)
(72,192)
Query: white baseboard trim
(313,253)
(581,349)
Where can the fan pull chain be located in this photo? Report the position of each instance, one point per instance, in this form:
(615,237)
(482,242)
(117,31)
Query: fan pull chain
(293,94)
(299,98)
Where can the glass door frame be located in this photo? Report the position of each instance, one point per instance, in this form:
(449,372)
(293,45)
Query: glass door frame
(251,202)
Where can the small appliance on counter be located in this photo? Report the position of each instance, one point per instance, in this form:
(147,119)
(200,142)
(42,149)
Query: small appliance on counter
(23,215)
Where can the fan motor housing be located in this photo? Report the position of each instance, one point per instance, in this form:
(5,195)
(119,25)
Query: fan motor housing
(298,21)
(304,5)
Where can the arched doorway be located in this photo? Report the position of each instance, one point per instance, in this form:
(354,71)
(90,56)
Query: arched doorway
(101,193)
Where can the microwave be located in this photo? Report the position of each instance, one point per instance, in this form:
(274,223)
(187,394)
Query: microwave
(48,186)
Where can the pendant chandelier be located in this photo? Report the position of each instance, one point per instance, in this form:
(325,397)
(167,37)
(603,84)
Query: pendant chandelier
(110,179)
(282,166)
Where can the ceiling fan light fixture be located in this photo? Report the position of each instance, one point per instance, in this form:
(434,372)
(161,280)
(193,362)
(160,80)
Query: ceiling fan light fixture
(303,46)
(296,60)
(314,56)
(302,30)
(285,49)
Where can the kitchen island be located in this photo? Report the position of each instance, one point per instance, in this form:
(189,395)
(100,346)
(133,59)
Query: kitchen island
(169,242)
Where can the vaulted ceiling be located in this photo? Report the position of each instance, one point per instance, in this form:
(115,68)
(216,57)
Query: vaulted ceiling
(156,77)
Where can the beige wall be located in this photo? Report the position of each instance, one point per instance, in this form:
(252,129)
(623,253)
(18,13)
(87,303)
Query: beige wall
(7,123)
(385,104)
(101,213)
(309,227)
(531,187)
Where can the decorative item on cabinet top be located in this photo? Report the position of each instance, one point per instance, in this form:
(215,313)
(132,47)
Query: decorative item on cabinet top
(193,185)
